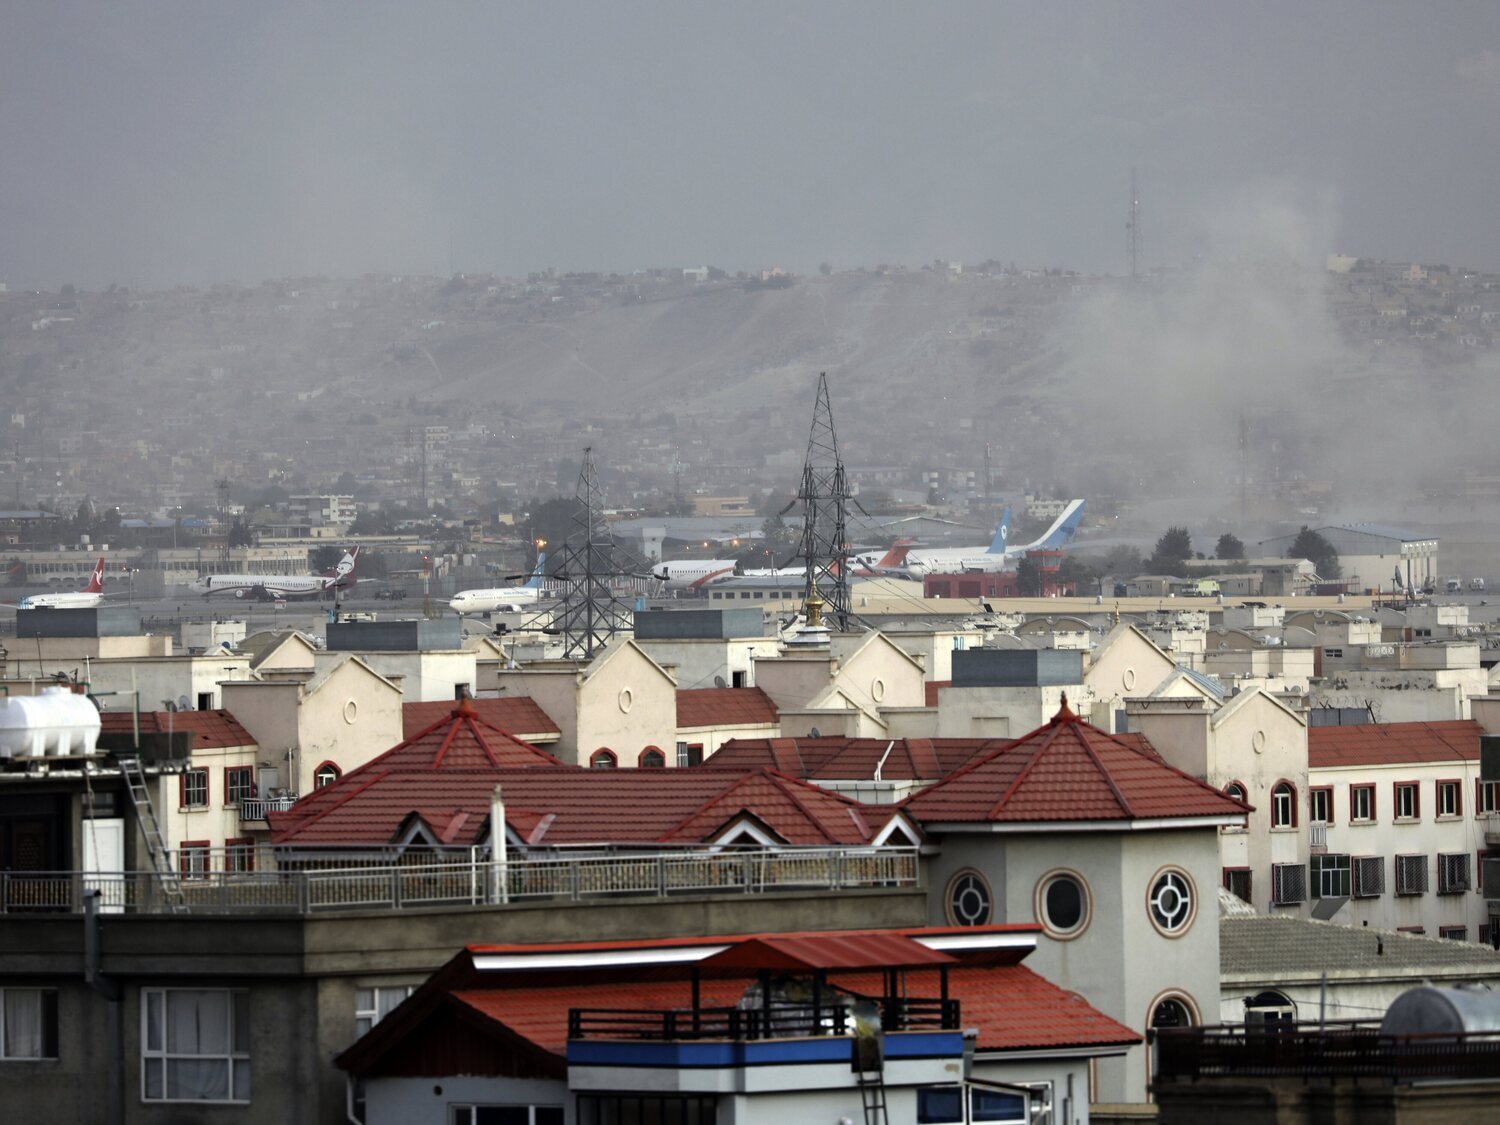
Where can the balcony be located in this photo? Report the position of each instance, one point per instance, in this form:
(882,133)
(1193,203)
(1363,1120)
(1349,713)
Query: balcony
(1490,822)
(256,808)
(1317,837)
(783,1021)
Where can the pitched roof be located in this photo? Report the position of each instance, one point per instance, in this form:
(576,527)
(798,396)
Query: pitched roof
(854,759)
(518,715)
(210,729)
(1067,770)
(725,707)
(1380,744)
(1280,945)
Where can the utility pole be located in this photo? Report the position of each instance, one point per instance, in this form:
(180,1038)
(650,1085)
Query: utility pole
(222,487)
(1133,230)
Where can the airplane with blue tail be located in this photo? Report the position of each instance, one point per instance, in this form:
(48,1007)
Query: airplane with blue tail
(999,555)
(503,597)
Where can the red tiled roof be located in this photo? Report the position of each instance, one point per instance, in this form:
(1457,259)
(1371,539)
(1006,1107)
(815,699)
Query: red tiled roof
(876,949)
(1379,744)
(210,729)
(517,715)
(725,707)
(848,759)
(1067,771)
(1013,1007)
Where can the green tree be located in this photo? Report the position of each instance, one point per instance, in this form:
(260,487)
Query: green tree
(1318,551)
(1171,553)
(1028,578)
(1229,547)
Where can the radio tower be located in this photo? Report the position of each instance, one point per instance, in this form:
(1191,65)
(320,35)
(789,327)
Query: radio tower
(1133,230)
(824,494)
(222,487)
(591,611)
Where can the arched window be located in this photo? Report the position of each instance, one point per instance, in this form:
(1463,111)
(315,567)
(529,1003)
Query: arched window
(652,759)
(970,902)
(1063,904)
(326,774)
(1283,805)
(603,759)
(1236,791)
(1269,1009)
(1172,1011)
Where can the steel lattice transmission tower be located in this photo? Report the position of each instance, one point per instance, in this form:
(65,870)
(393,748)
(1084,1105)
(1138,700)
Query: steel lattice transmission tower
(591,609)
(824,497)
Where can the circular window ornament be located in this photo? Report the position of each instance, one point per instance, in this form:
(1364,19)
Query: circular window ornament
(1128,679)
(1063,904)
(1258,741)
(877,689)
(351,711)
(969,900)
(627,700)
(1171,902)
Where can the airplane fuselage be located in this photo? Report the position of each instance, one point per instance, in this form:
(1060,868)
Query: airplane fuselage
(60,601)
(483,601)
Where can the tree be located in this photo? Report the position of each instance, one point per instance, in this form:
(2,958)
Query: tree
(1123,562)
(1315,549)
(1229,547)
(1171,553)
(1028,578)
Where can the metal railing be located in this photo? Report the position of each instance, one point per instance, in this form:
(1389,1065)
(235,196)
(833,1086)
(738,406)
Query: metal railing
(783,1021)
(1317,834)
(255,808)
(466,882)
(1304,1051)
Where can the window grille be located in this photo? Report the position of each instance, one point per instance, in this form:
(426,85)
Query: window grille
(1369,876)
(1288,883)
(1453,873)
(1411,874)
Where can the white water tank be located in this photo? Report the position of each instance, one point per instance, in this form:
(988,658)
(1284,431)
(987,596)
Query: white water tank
(55,723)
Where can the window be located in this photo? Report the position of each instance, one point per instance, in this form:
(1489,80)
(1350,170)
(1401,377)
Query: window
(195,1045)
(999,1106)
(690,754)
(940,1105)
(1411,874)
(1171,1012)
(371,1005)
(326,774)
(1450,800)
(1062,904)
(1320,805)
(1288,884)
(1237,882)
(239,854)
(194,859)
(509,1115)
(1361,802)
(1369,876)
(28,1023)
(969,900)
(648,1109)
(1454,933)
(1171,904)
(239,784)
(1333,654)
(603,759)
(1453,873)
(1330,876)
(1268,1010)
(1283,805)
(1486,796)
(1408,804)
(193,789)
(652,759)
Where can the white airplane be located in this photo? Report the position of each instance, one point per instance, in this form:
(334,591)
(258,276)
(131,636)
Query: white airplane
(279,587)
(691,574)
(892,564)
(87,598)
(502,597)
(998,555)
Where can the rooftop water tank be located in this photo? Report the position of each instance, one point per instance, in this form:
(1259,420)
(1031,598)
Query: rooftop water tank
(1428,1011)
(55,723)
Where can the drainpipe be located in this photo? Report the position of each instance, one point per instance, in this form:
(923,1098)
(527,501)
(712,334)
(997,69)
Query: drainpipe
(498,847)
(93,976)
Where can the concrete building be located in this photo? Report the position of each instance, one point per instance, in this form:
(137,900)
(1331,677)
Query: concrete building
(1370,554)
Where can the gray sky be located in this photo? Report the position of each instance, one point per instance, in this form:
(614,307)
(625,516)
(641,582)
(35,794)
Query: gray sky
(157,143)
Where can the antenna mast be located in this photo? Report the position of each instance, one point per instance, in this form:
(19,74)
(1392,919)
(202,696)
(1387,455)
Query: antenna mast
(222,487)
(1133,230)
(824,494)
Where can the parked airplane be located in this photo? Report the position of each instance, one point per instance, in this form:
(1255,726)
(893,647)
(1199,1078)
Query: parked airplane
(502,597)
(999,556)
(691,574)
(87,598)
(888,565)
(280,587)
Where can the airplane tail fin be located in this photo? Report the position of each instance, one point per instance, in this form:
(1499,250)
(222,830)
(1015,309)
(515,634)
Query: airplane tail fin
(96,580)
(535,581)
(1002,534)
(1061,533)
(896,556)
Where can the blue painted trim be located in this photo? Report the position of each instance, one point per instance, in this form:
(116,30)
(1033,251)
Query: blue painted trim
(719,1054)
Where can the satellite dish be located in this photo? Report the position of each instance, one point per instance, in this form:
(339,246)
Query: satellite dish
(719,682)
(184,703)
(169,705)
(815,733)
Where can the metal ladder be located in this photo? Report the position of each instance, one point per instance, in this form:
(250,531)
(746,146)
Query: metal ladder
(872,1094)
(140,796)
